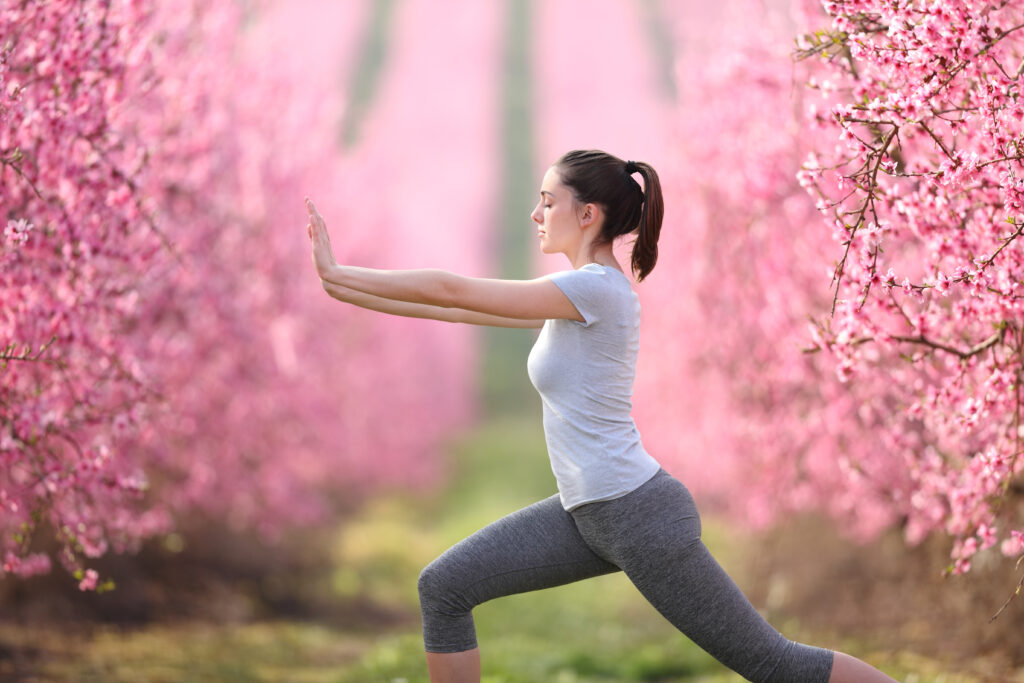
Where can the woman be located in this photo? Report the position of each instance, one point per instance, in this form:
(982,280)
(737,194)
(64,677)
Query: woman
(616,508)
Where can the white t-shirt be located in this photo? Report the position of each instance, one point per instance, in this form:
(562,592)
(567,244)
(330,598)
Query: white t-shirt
(584,373)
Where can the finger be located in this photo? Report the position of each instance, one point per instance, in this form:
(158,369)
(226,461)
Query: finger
(316,220)
(319,225)
(311,207)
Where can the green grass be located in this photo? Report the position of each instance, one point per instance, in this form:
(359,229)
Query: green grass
(183,653)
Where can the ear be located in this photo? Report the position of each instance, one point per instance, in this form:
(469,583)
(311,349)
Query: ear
(590,214)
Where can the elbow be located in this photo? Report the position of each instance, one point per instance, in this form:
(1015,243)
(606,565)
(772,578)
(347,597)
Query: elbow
(330,288)
(447,291)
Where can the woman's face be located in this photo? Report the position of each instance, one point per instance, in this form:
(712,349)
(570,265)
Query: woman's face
(558,225)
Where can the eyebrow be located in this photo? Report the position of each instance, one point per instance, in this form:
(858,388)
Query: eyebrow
(547,193)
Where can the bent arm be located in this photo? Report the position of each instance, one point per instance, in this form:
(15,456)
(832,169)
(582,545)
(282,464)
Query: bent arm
(414,310)
(538,299)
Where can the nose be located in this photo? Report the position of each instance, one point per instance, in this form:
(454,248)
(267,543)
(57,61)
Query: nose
(537,215)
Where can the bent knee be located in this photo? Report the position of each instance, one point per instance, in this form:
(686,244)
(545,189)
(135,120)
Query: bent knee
(431,582)
(440,590)
(447,619)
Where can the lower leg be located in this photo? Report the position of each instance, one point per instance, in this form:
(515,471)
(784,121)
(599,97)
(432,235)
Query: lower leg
(454,667)
(847,669)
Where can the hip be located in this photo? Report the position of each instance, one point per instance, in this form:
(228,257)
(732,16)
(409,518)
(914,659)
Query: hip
(660,511)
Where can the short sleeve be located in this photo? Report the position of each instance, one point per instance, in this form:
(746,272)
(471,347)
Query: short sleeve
(585,289)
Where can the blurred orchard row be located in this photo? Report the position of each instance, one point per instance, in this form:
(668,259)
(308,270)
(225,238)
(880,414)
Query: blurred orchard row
(876,146)
(835,322)
(167,344)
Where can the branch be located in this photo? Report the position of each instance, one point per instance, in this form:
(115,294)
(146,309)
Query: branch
(996,161)
(987,262)
(924,341)
(936,138)
(133,187)
(11,162)
(982,265)
(960,67)
(841,267)
(26,355)
(1016,592)
(964,355)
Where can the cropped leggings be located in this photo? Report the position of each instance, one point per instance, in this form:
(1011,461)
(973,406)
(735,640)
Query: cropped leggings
(653,535)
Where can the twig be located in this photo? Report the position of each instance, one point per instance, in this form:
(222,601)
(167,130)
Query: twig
(1016,592)
(987,262)
(936,138)
(133,187)
(8,353)
(11,164)
(841,267)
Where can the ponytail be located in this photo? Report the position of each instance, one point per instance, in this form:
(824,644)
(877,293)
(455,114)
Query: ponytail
(600,178)
(645,249)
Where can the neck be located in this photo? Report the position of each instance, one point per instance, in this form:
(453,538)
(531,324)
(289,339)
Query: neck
(588,253)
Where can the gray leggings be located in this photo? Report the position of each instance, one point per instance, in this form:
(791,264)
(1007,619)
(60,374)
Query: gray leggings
(652,534)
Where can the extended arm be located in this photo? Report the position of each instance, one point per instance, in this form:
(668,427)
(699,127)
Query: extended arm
(538,299)
(412,310)
(527,300)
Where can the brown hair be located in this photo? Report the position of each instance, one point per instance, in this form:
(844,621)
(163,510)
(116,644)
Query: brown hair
(597,177)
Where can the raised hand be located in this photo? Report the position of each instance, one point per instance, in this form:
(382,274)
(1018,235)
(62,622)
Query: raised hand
(323,255)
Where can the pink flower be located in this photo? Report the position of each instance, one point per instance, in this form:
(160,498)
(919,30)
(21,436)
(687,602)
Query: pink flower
(88,582)
(16,232)
(1014,545)
(987,534)
(11,562)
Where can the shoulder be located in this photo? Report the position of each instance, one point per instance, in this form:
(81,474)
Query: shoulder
(597,291)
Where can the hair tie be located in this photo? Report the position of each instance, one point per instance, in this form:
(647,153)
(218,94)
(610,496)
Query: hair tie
(631,167)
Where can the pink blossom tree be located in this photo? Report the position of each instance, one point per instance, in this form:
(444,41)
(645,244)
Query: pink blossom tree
(924,195)
(165,345)
(891,398)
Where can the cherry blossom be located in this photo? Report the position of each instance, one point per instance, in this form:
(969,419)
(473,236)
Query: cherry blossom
(165,347)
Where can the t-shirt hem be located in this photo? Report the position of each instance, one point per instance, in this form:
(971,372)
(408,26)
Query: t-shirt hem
(572,504)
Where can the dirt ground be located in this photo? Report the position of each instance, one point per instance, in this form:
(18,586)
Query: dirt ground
(895,597)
